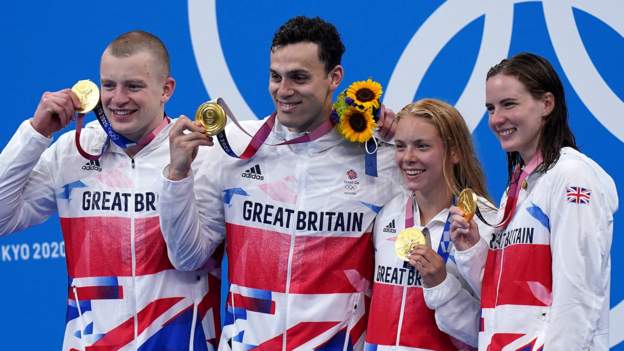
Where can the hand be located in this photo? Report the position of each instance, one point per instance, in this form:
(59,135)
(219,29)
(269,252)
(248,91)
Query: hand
(55,111)
(185,137)
(387,123)
(430,265)
(464,234)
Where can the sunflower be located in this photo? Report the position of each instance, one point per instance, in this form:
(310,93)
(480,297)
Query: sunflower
(356,125)
(365,94)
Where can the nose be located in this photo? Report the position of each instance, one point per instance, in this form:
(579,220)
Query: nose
(409,155)
(284,88)
(496,117)
(118,97)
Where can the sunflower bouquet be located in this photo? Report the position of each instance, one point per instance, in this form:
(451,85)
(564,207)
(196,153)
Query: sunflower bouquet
(355,111)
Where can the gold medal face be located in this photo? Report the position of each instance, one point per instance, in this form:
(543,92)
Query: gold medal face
(407,239)
(88,94)
(467,202)
(212,117)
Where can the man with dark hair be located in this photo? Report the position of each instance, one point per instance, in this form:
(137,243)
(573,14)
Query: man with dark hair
(296,218)
(123,291)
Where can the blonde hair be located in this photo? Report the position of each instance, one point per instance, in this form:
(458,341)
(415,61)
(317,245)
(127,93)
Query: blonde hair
(453,131)
(136,41)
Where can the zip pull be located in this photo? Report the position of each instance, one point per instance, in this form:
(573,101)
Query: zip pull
(132,162)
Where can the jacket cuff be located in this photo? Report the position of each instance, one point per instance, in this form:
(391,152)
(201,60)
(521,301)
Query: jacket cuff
(477,250)
(440,294)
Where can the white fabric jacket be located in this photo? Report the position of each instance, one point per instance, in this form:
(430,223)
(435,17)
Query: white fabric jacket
(298,221)
(123,292)
(405,315)
(547,276)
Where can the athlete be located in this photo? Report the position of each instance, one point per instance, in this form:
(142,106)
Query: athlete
(297,219)
(544,272)
(423,303)
(123,292)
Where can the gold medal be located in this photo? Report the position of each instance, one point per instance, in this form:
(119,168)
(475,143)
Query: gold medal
(211,116)
(467,202)
(407,239)
(88,94)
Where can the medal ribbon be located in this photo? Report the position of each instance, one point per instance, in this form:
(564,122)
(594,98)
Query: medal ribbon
(117,138)
(517,178)
(258,139)
(445,240)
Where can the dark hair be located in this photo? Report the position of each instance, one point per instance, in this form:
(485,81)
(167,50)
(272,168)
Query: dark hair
(539,77)
(135,41)
(315,30)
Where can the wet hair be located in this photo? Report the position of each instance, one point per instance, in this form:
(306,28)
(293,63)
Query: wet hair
(453,131)
(538,76)
(314,30)
(136,41)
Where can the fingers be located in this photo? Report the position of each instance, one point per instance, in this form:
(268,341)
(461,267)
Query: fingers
(430,265)
(183,124)
(185,137)
(62,106)
(74,98)
(54,111)
(459,225)
(186,131)
(464,234)
(387,123)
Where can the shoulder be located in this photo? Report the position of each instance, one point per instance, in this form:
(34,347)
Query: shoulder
(574,170)
(575,166)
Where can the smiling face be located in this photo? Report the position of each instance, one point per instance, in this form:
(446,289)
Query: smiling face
(515,116)
(134,91)
(300,86)
(420,155)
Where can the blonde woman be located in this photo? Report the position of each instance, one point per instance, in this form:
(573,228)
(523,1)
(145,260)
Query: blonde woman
(424,304)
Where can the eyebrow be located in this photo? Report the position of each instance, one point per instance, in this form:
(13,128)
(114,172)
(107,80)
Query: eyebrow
(291,72)
(417,141)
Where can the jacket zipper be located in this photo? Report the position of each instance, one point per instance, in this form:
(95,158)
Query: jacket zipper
(135,316)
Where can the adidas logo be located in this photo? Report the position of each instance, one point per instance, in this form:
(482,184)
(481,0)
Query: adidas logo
(92,165)
(253,173)
(390,228)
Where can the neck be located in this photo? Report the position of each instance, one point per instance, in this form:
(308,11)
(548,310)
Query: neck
(528,154)
(314,123)
(431,203)
(147,137)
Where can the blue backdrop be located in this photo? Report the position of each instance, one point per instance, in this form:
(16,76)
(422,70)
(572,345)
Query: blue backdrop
(415,49)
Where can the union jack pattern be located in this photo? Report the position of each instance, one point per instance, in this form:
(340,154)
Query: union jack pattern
(578,195)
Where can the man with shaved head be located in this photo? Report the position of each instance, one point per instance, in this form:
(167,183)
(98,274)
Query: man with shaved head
(123,293)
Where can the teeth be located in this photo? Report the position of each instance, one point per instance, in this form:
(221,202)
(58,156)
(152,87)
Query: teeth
(122,112)
(287,106)
(506,132)
(413,172)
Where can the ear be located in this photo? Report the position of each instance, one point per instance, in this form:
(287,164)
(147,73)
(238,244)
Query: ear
(335,77)
(454,156)
(168,88)
(548,100)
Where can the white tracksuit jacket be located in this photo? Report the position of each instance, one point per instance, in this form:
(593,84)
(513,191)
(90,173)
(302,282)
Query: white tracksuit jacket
(547,275)
(404,315)
(123,292)
(298,221)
